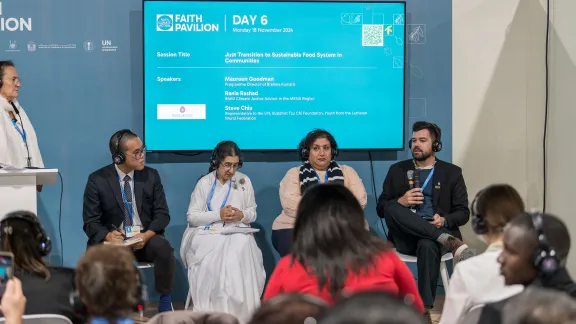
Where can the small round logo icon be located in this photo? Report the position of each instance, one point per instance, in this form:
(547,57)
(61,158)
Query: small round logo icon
(164,22)
(182,109)
(88,46)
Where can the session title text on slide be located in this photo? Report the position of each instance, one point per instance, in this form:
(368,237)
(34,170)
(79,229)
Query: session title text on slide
(195,23)
(255,57)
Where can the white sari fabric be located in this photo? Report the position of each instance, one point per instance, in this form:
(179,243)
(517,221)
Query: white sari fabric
(225,271)
(13,151)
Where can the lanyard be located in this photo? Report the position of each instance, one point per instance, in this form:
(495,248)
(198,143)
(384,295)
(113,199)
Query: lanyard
(211,194)
(428,179)
(126,203)
(21,132)
(325,176)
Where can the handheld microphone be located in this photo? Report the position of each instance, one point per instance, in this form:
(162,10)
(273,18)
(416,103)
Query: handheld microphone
(416,179)
(410,175)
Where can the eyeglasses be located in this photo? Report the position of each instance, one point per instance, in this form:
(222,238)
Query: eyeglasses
(229,166)
(15,80)
(139,153)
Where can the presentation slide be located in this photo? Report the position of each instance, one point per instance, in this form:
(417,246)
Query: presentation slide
(263,74)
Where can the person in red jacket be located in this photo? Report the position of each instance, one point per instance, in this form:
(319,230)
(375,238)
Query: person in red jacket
(333,255)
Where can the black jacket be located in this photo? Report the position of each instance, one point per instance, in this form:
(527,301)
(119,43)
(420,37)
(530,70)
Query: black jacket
(449,195)
(104,207)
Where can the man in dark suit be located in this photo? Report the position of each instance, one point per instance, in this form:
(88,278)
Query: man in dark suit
(126,200)
(424,221)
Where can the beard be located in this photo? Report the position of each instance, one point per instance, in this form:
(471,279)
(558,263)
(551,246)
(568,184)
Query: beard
(422,155)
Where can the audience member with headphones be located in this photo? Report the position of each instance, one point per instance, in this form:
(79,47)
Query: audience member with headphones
(318,152)
(226,272)
(46,287)
(477,281)
(534,253)
(424,202)
(18,142)
(126,200)
(110,287)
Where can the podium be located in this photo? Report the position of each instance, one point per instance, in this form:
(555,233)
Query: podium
(18,188)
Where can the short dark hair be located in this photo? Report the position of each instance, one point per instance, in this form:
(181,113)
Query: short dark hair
(330,237)
(3,66)
(433,129)
(537,305)
(126,135)
(497,204)
(311,137)
(373,307)
(289,309)
(553,228)
(223,150)
(107,281)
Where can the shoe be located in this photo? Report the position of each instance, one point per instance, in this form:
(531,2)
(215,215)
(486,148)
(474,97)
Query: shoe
(427,316)
(165,304)
(459,249)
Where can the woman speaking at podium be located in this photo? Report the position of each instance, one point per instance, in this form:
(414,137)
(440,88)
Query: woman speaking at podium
(18,143)
(317,151)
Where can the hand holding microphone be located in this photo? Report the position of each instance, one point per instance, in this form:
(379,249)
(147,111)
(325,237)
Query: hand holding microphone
(414,196)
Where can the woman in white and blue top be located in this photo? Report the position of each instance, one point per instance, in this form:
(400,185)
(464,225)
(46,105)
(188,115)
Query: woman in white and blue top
(225,267)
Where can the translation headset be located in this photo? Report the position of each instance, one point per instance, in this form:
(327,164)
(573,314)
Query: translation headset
(479,225)
(303,150)
(215,160)
(45,245)
(118,157)
(545,258)
(141,290)
(437,143)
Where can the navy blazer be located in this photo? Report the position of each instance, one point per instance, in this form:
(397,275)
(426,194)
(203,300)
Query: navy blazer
(103,206)
(449,194)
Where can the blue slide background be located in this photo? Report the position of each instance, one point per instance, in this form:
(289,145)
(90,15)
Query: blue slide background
(365,79)
(78,96)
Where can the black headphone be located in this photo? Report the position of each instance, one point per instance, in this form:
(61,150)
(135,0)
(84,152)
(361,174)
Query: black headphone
(298,297)
(215,161)
(118,157)
(45,243)
(303,151)
(545,257)
(479,225)
(437,143)
(141,293)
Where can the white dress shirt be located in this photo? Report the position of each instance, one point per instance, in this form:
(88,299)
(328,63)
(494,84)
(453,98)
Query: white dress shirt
(476,281)
(135,217)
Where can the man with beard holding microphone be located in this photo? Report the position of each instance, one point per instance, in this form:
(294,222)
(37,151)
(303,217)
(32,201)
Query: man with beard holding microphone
(424,202)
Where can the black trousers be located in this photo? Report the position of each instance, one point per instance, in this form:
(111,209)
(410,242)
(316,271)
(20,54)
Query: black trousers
(282,241)
(159,251)
(412,235)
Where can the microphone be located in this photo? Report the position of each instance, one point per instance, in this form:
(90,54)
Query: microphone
(29,160)
(410,175)
(15,109)
(416,179)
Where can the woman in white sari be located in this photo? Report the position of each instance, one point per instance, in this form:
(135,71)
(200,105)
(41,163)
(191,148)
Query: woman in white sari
(225,271)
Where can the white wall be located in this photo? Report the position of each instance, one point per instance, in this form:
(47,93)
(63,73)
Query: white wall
(498,96)
(561,153)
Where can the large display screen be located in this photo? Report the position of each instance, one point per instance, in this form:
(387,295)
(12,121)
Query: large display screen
(265,73)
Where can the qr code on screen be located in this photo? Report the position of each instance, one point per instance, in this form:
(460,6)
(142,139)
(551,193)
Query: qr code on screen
(372,35)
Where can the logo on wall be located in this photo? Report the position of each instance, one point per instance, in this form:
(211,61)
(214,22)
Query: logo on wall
(31,47)
(10,24)
(164,22)
(182,109)
(12,47)
(88,46)
(108,47)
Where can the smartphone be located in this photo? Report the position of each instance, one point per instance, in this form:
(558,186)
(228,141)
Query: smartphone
(428,219)
(6,269)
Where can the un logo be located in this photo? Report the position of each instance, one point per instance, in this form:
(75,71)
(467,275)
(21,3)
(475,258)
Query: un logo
(164,22)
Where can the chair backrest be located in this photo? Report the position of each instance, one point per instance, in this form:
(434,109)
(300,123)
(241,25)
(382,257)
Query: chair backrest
(472,316)
(42,319)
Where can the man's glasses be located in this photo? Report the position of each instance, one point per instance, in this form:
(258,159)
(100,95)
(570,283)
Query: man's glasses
(15,80)
(138,154)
